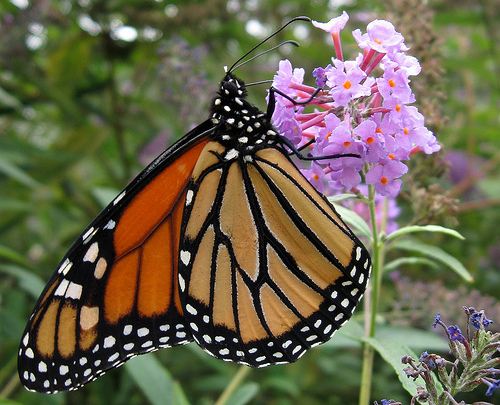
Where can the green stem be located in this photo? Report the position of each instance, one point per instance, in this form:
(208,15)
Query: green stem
(233,385)
(371,303)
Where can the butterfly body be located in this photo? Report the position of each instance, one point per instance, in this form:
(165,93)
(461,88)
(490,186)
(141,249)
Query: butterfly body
(220,240)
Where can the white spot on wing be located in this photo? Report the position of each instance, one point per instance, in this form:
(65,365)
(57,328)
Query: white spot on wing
(185,257)
(61,288)
(113,357)
(142,332)
(128,346)
(100,268)
(89,316)
(182,284)
(231,154)
(74,291)
(65,267)
(119,197)
(191,310)
(109,342)
(358,253)
(127,330)
(110,225)
(92,253)
(88,233)
(189,197)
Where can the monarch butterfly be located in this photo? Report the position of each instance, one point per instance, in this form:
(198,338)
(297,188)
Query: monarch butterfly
(220,240)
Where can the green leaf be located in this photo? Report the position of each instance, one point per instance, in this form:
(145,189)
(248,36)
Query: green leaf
(9,402)
(67,65)
(155,381)
(16,205)
(426,228)
(410,261)
(392,352)
(354,220)
(28,281)
(341,197)
(435,253)
(244,394)
(9,100)
(14,172)
(416,339)
(104,195)
(349,336)
(11,255)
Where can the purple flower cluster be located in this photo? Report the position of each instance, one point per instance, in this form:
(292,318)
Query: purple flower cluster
(354,113)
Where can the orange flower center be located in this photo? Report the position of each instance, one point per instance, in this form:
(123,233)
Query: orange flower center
(347,85)
(383,180)
(406,131)
(315,177)
(347,144)
(370,140)
(392,83)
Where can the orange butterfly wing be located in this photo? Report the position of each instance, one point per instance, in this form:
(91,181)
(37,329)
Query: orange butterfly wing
(115,294)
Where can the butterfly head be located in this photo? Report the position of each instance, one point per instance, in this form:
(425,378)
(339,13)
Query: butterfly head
(232,87)
(231,107)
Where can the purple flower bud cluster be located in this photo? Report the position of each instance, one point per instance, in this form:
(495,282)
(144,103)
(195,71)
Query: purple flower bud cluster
(367,118)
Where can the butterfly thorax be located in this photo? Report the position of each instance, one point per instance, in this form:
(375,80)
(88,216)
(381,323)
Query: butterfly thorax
(242,125)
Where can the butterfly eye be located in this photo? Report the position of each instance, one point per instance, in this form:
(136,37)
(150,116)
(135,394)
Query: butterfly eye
(230,88)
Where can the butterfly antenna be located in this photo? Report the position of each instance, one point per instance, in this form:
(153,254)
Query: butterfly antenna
(294,43)
(258,83)
(236,64)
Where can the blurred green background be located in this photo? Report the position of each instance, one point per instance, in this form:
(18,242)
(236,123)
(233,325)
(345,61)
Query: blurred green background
(91,91)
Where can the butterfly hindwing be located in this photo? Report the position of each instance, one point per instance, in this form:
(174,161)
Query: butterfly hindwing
(268,269)
(115,294)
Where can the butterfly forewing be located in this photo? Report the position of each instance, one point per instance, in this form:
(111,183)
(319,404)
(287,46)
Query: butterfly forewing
(115,295)
(268,269)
